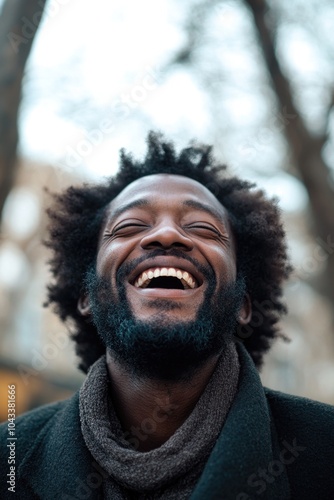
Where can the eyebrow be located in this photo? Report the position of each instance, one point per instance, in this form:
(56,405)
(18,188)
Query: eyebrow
(207,209)
(188,203)
(123,208)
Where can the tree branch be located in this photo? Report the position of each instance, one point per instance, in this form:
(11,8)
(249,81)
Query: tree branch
(306,149)
(19,22)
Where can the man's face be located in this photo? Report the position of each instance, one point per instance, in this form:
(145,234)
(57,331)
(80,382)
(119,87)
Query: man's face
(166,212)
(166,257)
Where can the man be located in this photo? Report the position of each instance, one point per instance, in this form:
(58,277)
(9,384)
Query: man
(160,271)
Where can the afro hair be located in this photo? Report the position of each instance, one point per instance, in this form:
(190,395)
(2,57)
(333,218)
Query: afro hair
(78,213)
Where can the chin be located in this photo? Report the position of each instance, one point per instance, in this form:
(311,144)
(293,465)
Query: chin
(161,349)
(164,318)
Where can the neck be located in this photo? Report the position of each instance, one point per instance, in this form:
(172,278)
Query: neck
(150,411)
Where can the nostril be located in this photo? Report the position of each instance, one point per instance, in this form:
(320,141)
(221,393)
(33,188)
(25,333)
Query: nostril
(165,245)
(166,235)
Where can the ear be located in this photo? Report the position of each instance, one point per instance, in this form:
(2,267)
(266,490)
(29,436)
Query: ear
(84,305)
(245,312)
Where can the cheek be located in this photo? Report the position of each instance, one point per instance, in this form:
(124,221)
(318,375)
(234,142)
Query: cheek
(111,256)
(107,259)
(224,265)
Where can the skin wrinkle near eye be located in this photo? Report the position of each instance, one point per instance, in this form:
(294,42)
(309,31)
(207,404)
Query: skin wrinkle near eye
(121,226)
(207,228)
(200,226)
(145,203)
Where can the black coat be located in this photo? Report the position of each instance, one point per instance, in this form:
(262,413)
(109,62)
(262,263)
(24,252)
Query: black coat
(273,446)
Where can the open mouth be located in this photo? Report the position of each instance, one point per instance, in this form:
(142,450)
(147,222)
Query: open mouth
(166,277)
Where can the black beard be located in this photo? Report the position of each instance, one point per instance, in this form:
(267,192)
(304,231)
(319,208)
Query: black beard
(158,349)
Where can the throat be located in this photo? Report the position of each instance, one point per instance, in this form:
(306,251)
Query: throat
(168,405)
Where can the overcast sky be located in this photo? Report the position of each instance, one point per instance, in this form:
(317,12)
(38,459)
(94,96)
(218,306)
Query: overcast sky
(97,81)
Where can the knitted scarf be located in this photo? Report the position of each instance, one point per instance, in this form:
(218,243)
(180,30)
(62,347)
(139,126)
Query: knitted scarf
(171,471)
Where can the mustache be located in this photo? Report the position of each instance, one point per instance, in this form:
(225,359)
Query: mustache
(125,269)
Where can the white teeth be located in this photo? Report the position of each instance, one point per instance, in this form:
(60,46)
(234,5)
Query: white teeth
(145,278)
(185,284)
(143,281)
(187,279)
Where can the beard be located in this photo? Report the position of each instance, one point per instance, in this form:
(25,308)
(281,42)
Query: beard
(159,348)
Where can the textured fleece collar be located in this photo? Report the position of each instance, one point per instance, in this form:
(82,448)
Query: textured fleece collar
(59,465)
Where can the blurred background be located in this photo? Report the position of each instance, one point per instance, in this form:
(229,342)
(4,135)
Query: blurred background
(79,80)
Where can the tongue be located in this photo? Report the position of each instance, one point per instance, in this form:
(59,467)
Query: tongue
(166,282)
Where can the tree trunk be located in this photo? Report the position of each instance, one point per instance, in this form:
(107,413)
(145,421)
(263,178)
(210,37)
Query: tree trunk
(19,22)
(304,147)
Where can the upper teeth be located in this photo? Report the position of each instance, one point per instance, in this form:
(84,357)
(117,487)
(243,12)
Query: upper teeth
(145,277)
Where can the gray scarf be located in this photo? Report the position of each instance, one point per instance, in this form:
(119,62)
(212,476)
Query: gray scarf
(171,471)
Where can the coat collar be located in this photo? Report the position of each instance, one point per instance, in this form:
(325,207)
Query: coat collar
(59,465)
(247,449)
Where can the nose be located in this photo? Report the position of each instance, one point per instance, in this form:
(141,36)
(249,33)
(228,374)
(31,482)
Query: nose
(167,235)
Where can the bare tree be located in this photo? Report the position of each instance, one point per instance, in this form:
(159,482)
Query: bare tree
(305,148)
(19,22)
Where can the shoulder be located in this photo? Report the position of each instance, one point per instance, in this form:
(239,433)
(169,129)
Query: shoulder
(35,419)
(306,429)
(309,420)
(302,413)
(30,424)
(30,429)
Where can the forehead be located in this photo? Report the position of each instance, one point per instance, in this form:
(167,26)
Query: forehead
(167,188)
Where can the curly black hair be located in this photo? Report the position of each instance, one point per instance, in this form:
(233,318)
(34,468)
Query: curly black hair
(78,213)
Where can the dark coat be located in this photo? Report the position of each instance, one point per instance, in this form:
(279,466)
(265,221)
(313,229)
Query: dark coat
(273,446)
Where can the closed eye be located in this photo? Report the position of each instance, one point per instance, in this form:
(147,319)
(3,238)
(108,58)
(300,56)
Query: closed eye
(127,227)
(202,228)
